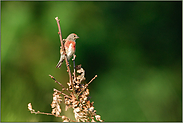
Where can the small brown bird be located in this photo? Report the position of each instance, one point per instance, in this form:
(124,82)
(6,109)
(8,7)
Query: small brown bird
(70,47)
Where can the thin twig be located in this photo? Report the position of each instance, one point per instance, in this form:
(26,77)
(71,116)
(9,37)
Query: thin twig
(59,83)
(60,34)
(66,60)
(38,112)
(91,80)
(87,84)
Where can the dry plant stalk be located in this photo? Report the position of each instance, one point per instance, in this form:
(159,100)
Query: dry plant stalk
(77,97)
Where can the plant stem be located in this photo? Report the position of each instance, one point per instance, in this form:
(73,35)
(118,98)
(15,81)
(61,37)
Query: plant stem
(66,60)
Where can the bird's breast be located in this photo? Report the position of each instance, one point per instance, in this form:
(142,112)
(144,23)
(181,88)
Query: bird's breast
(70,45)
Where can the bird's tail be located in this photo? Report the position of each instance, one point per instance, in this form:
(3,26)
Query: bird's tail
(59,64)
(61,60)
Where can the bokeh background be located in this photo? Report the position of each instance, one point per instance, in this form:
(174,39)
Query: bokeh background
(133,47)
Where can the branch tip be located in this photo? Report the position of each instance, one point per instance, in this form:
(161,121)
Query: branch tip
(56,18)
(51,76)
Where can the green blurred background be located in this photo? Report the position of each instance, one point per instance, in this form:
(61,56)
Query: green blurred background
(133,47)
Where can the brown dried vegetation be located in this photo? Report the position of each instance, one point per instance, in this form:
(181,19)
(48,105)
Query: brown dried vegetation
(77,97)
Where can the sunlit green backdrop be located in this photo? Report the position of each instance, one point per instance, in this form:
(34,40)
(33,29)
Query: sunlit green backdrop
(133,47)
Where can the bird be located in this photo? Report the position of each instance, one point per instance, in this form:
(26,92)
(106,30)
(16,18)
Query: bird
(70,47)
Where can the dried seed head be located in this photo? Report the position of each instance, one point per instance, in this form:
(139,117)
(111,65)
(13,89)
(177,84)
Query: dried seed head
(55,105)
(30,107)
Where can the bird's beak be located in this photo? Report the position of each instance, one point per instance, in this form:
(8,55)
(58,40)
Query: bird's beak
(77,37)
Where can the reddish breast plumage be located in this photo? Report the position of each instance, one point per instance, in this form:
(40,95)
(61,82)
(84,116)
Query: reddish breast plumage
(68,43)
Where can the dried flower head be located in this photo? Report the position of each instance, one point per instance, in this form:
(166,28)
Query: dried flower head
(30,107)
(55,105)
